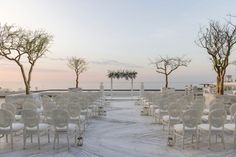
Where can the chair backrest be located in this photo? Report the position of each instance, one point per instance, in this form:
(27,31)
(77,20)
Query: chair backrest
(232,110)
(217,105)
(29,106)
(6,118)
(61,101)
(74,109)
(191,118)
(217,118)
(198,105)
(30,118)
(10,107)
(60,118)
(174,110)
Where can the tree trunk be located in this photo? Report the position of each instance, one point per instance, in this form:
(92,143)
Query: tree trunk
(220,84)
(27,86)
(166,85)
(77,81)
(29,77)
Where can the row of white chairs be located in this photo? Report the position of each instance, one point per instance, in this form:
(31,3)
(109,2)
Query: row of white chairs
(76,109)
(175,110)
(31,125)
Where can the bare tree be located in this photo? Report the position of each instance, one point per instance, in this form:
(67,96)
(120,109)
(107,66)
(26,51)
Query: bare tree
(79,65)
(166,65)
(219,40)
(22,47)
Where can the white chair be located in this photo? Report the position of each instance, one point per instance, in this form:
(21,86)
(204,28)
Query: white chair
(231,127)
(190,119)
(162,110)
(7,125)
(10,107)
(232,110)
(173,117)
(215,105)
(61,125)
(48,107)
(215,126)
(32,125)
(74,110)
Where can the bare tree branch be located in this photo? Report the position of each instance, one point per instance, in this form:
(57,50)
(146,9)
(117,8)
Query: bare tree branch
(166,65)
(18,45)
(218,40)
(79,65)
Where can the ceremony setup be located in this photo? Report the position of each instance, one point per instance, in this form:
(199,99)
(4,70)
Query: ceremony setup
(113,78)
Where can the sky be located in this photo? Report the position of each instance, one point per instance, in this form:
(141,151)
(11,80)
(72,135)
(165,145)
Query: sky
(112,35)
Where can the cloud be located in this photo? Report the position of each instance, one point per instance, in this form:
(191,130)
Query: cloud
(49,70)
(116,63)
(56,59)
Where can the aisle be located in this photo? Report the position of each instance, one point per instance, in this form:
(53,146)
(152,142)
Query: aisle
(124,133)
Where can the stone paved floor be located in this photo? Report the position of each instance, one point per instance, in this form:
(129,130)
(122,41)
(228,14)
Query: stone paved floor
(122,133)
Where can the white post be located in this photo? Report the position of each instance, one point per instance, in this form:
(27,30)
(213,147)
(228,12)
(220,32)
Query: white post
(111,87)
(141,89)
(132,86)
(102,89)
(102,93)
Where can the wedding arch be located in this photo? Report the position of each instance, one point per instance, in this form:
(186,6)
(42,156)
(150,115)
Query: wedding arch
(127,74)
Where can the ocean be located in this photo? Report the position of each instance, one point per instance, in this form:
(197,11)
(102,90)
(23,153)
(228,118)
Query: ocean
(117,84)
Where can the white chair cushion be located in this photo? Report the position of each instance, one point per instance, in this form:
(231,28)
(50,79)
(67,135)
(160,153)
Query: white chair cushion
(18,117)
(206,127)
(166,118)
(42,126)
(229,127)
(17,126)
(157,111)
(71,127)
(179,128)
(204,118)
(206,111)
(82,118)
(228,118)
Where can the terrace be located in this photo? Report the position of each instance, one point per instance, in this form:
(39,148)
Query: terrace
(121,132)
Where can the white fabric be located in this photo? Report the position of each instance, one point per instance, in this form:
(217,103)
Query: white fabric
(42,126)
(180,128)
(207,126)
(205,118)
(15,127)
(230,127)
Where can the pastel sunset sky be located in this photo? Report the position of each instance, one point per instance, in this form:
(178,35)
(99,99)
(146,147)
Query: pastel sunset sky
(115,34)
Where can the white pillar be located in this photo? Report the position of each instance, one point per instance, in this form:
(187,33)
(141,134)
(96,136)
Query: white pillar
(141,89)
(101,89)
(111,86)
(132,86)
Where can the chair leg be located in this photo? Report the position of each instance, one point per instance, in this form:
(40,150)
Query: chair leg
(48,136)
(234,138)
(223,140)
(54,141)
(39,140)
(7,138)
(57,138)
(31,138)
(68,143)
(11,140)
(209,140)
(24,139)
